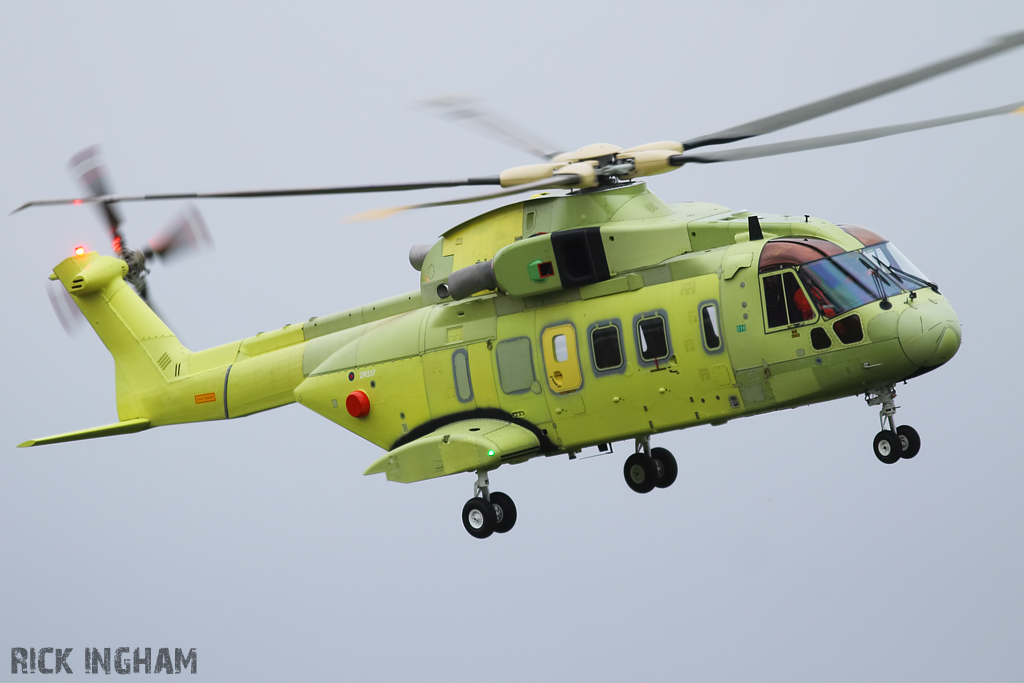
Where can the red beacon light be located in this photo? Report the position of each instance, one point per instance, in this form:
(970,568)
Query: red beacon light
(79,251)
(77,202)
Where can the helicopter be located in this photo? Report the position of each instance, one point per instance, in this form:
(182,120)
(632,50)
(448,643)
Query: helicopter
(591,312)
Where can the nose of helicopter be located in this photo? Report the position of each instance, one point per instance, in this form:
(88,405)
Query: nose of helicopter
(929,332)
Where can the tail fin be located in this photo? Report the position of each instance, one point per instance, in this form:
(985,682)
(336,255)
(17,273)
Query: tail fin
(159,381)
(146,353)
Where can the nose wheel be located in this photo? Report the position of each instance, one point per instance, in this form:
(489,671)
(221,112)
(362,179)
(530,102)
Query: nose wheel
(487,513)
(649,468)
(894,443)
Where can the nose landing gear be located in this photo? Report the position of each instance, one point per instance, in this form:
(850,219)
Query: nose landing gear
(649,468)
(487,513)
(894,443)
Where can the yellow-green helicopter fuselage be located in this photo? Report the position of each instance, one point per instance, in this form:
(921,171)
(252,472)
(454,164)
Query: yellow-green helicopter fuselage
(549,326)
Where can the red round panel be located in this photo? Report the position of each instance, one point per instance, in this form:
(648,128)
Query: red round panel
(358,404)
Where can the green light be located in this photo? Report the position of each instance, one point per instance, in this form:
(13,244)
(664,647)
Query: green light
(490,452)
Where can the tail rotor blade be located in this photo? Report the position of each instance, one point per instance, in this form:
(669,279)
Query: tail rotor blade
(64,308)
(87,168)
(187,233)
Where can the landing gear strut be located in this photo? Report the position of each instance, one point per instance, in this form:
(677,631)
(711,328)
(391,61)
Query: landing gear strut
(649,468)
(893,443)
(486,513)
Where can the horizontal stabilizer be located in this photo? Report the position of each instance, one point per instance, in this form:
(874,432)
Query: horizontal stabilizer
(462,446)
(126,427)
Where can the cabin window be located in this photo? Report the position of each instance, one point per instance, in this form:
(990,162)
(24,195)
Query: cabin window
(849,330)
(709,326)
(652,339)
(515,365)
(561,348)
(785,302)
(460,372)
(820,339)
(607,348)
(560,358)
(607,352)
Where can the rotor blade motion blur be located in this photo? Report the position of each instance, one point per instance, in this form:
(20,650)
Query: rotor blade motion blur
(87,168)
(837,139)
(791,117)
(458,109)
(187,233)
(562,180)
(64,308)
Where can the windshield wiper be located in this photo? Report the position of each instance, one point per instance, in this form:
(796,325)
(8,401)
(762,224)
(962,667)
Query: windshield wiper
(920,280)
(880,283)
(896,272)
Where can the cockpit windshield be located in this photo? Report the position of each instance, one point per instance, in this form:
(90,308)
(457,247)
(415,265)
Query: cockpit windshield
(842,283)
(897,264)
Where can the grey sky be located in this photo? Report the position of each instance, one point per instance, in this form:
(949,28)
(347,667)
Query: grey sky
(785,551)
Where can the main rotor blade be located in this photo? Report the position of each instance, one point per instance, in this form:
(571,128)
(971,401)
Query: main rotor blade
(791,117)
(562,180)
(458,109)
(820,142)
(296,192)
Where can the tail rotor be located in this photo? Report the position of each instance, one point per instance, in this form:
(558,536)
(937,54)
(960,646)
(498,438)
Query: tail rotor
(186,234)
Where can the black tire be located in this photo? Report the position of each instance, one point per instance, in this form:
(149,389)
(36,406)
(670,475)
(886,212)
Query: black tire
(479,518)
(910,440)
(504,510)
(669,469)
(888,447)
(640,472)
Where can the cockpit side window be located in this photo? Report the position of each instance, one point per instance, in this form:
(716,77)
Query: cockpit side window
(800,309)
(774,301)
(785,301)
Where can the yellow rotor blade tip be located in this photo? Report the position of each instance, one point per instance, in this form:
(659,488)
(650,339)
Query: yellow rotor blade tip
(375,214)
(1018,111)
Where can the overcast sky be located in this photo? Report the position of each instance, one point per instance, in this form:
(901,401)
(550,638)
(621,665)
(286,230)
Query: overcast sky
(784,552)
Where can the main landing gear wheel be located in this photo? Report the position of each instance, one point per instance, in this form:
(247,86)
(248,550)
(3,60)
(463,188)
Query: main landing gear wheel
(910,440)
(479,518)
(505,512)
(888,447)
(641,473)
(667,467)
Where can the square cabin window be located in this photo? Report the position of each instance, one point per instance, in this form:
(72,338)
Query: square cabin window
(652,338)
(607,348)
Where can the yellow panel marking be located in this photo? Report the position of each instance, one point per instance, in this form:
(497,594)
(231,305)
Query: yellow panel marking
(206,398)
